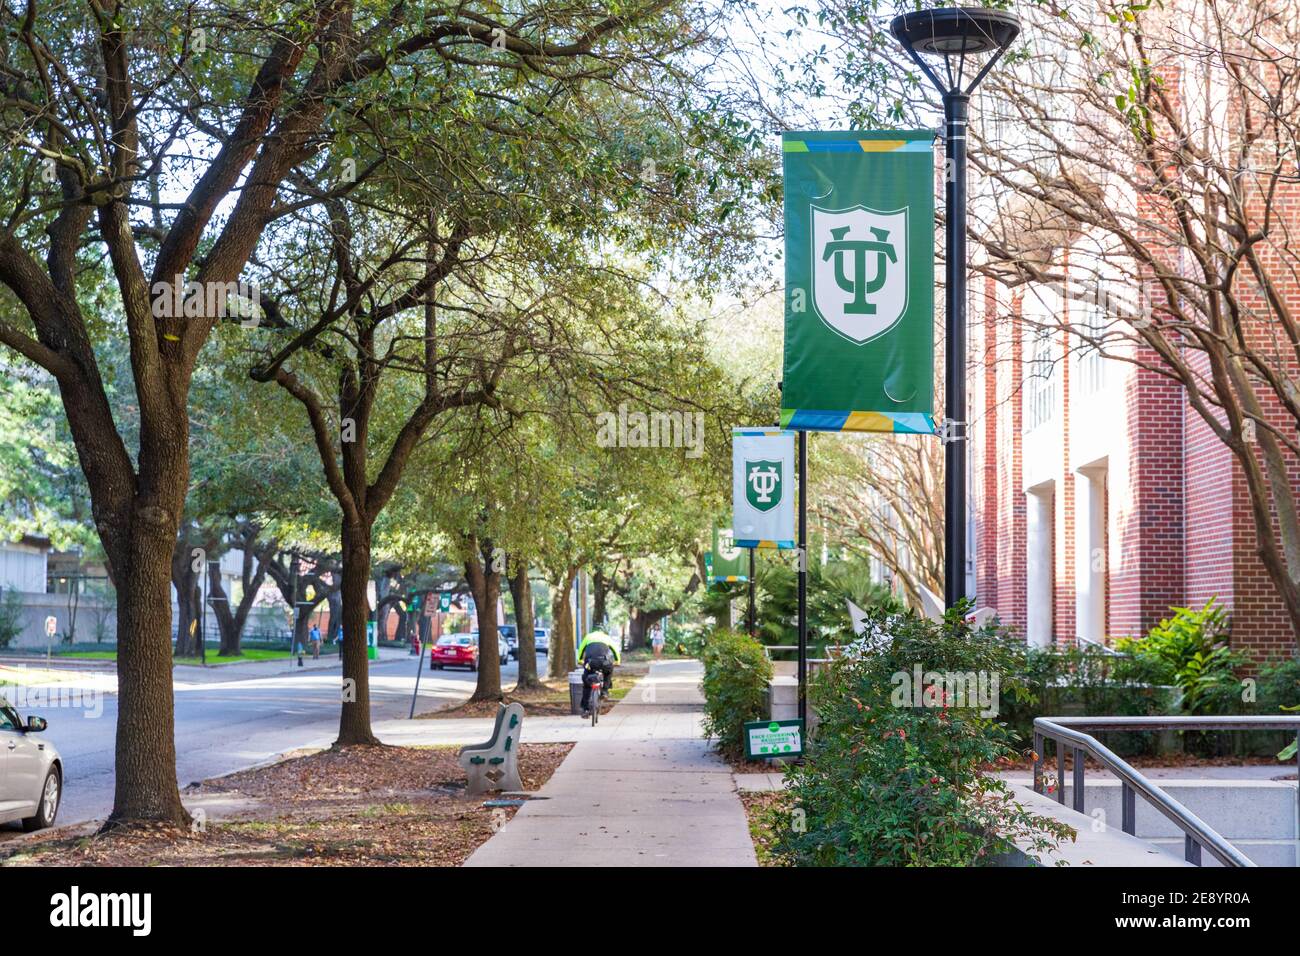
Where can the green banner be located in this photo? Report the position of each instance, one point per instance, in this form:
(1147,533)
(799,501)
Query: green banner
(726,562)
(859,277)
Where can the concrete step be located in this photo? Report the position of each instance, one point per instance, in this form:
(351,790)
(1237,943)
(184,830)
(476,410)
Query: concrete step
(1260,817)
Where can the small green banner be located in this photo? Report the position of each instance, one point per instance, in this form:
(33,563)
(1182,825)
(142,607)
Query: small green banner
(726,562)
(773,738)
(859,278)
(444,601)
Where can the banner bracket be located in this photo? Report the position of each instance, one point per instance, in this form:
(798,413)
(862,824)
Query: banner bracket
(951,431)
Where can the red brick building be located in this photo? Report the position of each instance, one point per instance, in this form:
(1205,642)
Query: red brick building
(1100,499)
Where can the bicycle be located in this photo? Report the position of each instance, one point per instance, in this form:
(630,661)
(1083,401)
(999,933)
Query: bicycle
(596,681)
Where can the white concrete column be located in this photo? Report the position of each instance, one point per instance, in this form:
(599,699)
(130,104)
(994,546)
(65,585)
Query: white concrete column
(1039,576)
(1090,554)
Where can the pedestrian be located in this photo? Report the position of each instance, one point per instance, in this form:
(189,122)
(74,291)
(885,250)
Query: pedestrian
(314,637)
(657,641)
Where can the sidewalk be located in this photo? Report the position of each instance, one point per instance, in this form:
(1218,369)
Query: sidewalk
(642,788)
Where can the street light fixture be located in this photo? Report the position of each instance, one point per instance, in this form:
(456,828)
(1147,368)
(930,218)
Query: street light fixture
(955,33)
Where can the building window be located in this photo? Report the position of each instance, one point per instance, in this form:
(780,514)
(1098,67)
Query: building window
(1040,383)
(1091,326)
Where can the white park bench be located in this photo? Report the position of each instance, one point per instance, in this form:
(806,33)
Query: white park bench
(494,764)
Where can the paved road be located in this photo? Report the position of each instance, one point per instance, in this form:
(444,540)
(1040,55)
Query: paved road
(229,724)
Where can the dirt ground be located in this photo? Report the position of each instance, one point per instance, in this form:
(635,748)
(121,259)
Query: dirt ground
(351,806)
(551,701)
(765,812)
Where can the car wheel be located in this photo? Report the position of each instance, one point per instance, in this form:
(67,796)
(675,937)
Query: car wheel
(48,808)
(473,667)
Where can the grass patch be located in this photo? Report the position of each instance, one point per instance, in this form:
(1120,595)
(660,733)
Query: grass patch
(249,655)
(24,676)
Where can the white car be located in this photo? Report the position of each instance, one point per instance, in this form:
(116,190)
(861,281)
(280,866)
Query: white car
(503,648)
(31,771)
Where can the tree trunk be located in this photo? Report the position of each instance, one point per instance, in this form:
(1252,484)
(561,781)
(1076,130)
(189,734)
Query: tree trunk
(336,615)
(485,583)
(521,593)
(301,625)
(145,781)
(185,580)
(230,623)
(640,623)
(563,656)
(354,722)
(600,595)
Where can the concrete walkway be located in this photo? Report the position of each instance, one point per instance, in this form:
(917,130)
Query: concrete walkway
(643,788)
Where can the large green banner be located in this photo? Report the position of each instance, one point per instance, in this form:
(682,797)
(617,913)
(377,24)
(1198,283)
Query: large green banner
(859,277)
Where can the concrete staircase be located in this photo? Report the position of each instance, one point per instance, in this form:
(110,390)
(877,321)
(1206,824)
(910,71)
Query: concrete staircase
(1261,818)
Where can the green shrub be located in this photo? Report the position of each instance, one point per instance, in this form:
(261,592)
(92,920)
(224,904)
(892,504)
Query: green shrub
(11,616)
(736,676)
(891,781)
(1190,650)
(1072,681)
(1279,686)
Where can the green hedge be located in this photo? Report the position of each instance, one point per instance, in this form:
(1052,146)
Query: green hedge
(736,677)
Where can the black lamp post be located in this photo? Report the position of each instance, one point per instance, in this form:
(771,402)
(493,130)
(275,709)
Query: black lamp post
(953,34)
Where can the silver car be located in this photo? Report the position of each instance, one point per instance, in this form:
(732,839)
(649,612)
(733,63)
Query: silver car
(31,771)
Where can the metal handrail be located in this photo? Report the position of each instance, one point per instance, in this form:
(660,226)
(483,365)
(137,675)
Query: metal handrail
(1196,832)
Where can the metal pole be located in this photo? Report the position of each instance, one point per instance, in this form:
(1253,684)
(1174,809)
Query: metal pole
(803,576)
(203,615)
(955,110)
(416,693)
(751,620)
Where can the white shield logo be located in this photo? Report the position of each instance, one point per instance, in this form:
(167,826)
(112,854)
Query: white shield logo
(859,260)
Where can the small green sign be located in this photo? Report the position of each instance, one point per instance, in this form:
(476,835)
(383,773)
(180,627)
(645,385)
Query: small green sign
(773,738)
(444,601)
(725,562)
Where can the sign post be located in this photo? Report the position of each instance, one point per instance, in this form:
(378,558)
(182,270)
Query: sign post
(859,297)
(803,575)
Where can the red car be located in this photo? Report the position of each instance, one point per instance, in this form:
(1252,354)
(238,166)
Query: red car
(454,650)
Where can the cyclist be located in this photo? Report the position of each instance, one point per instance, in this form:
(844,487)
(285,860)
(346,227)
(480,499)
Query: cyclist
(597,652)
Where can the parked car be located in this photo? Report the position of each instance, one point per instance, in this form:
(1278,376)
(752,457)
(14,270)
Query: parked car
(511,635)
(502,647)
(455,650)
(542,640)
(31,771)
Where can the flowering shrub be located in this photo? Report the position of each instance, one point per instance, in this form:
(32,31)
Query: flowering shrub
(901,779)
